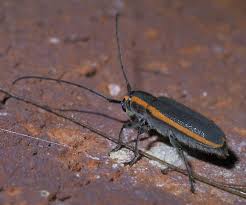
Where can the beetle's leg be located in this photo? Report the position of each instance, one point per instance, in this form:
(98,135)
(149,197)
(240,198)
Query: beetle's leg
(136,153)
(176,144)
(4,100)
(166,170)
(128,124)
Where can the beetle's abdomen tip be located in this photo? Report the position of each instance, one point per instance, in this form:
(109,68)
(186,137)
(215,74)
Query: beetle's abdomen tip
(224,152)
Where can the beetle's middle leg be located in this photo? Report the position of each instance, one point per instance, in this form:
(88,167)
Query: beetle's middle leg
(142,127)
(176,144)
(136,152)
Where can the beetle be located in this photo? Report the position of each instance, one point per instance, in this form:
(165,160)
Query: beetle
(169,118)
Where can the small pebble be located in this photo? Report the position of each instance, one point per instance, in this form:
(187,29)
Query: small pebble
(44,193)
(114,89)
(54,40)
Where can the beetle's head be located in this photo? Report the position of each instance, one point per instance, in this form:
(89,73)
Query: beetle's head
(125,104)
(130,105)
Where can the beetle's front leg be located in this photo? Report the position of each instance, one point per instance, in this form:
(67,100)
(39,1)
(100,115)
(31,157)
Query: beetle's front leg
(128,124)
(4,100)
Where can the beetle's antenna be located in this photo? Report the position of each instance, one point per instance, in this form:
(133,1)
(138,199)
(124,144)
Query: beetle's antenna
(34,138)
(119,53)
(111,100)
(89,112)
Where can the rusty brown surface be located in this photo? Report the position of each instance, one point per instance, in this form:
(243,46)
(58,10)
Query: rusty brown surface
(199,50)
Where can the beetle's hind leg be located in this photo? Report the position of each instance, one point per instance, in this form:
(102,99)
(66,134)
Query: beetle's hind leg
(176,144)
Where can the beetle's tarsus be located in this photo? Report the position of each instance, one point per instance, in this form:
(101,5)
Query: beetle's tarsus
(117,148)
(166,170)
(4,100)
(133,160)
(192,188)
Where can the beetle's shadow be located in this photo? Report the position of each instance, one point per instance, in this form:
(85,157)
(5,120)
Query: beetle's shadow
(227,163)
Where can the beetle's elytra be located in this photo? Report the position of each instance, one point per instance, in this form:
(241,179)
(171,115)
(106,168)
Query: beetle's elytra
(171,119)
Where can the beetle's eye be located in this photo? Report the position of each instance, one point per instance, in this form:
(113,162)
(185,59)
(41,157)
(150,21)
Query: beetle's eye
(123,105)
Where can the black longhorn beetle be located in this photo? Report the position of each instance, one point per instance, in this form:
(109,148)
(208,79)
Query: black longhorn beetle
(182,125)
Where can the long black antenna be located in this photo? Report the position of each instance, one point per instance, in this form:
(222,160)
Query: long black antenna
(89,112)
(119,53)
(111,100)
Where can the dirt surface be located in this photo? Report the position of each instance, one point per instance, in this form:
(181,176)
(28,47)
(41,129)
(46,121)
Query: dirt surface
(192,51)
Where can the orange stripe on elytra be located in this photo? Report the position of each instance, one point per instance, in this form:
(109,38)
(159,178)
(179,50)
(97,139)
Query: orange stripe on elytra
(156,113)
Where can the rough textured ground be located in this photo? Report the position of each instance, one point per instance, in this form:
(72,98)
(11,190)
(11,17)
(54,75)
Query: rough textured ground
(193,51)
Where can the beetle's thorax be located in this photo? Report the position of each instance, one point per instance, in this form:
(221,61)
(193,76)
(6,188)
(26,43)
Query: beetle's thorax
(135,104)
(128,105)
